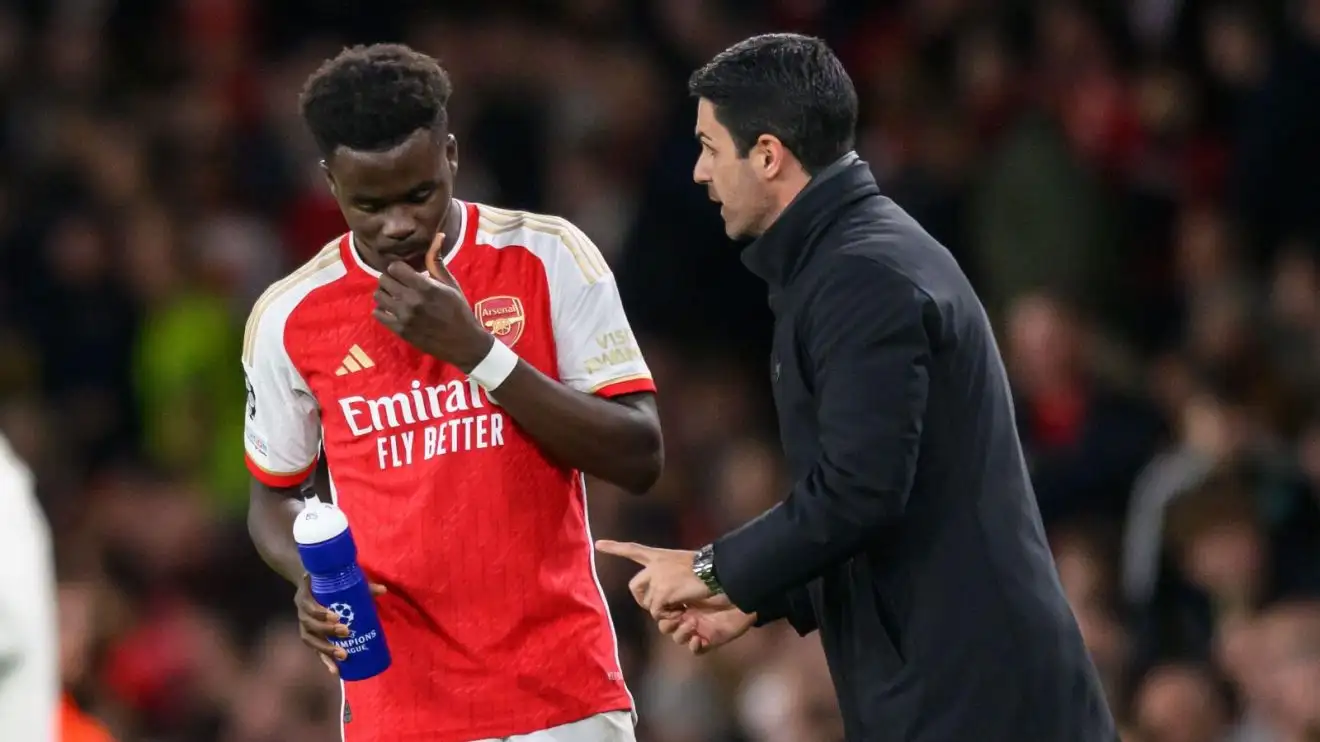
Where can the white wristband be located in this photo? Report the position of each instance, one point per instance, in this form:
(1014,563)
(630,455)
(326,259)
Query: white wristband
(495,368)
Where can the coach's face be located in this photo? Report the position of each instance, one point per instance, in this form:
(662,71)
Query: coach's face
(395,201)
(732,179)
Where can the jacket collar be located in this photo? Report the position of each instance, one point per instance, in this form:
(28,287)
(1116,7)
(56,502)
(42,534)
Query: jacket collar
(777,255)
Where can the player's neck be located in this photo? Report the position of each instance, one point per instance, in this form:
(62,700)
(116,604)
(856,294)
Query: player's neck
(452,226)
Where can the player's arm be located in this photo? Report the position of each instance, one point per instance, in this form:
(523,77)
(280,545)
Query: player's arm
(271,512)
(281,438)
(601,416)
(868,352)
(614,438)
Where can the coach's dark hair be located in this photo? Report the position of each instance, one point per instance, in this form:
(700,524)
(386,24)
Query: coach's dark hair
(372,98)
(787,85)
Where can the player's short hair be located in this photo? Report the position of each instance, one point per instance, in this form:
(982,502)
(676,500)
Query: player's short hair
(372,98)
(787,85)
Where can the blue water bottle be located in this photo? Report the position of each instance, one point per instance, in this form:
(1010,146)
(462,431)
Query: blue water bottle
(330,558)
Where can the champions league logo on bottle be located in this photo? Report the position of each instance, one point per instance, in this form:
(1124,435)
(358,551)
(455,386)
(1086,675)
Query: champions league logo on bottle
(345,613)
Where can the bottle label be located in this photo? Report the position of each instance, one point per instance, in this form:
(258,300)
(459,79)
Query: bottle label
(367,651)
(355,641)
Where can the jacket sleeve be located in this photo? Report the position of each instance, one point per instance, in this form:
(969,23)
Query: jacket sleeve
(867,354)
(794,605)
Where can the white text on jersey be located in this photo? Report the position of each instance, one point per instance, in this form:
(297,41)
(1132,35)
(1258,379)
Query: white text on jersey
(462,428)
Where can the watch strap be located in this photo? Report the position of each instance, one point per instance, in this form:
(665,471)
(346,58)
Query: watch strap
(704,567)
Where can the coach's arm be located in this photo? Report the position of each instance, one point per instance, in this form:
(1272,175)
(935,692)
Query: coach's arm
(793,606)
(868,353)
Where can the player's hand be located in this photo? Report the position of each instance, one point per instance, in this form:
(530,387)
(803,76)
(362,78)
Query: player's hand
(666,581)
(316,624)
(706,625)
(430,312)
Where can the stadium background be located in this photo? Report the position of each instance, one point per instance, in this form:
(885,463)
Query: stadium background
(1133,186)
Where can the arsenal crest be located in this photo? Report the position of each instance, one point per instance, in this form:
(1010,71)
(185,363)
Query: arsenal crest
(502,316)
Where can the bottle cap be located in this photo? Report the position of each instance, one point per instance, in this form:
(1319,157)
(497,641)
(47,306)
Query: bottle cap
(318,522)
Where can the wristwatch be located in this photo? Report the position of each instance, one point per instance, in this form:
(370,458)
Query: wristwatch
(703,564)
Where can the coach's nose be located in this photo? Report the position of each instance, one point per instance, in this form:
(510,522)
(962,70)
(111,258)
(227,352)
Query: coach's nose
(701,171)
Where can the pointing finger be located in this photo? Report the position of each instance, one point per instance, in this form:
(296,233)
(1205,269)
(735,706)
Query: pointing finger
(636,552)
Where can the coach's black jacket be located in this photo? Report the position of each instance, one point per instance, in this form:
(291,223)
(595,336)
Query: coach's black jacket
(911,539)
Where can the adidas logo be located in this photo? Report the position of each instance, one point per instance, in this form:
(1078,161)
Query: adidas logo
(355,361)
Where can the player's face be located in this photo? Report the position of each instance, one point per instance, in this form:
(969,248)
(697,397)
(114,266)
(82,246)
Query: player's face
(730,179)
(395,201)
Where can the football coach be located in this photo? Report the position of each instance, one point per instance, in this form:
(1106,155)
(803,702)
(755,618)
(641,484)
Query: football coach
(911,540)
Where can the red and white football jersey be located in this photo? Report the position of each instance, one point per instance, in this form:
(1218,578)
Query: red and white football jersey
(494,616)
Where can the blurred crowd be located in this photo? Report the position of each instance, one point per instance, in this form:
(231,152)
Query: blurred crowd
(1134,188)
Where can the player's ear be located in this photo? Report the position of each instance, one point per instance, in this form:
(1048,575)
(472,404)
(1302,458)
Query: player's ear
(329,179)
(451,154)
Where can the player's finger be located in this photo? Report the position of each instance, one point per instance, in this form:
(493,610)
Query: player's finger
(321,645)
(337,626)
(400,273)
(377,588)
(384,299)
(668,626)
(387,318)
(435,264)
(389,284)
(307,604)
(697,645)
(636,552)
(317,626)
(329,664)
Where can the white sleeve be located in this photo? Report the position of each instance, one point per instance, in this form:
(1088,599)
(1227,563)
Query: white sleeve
(29,654)
(282,422)
(598,353)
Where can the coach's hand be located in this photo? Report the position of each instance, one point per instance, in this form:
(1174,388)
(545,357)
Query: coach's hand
(666,581)
(431,313)
(706,624)
(316,624)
